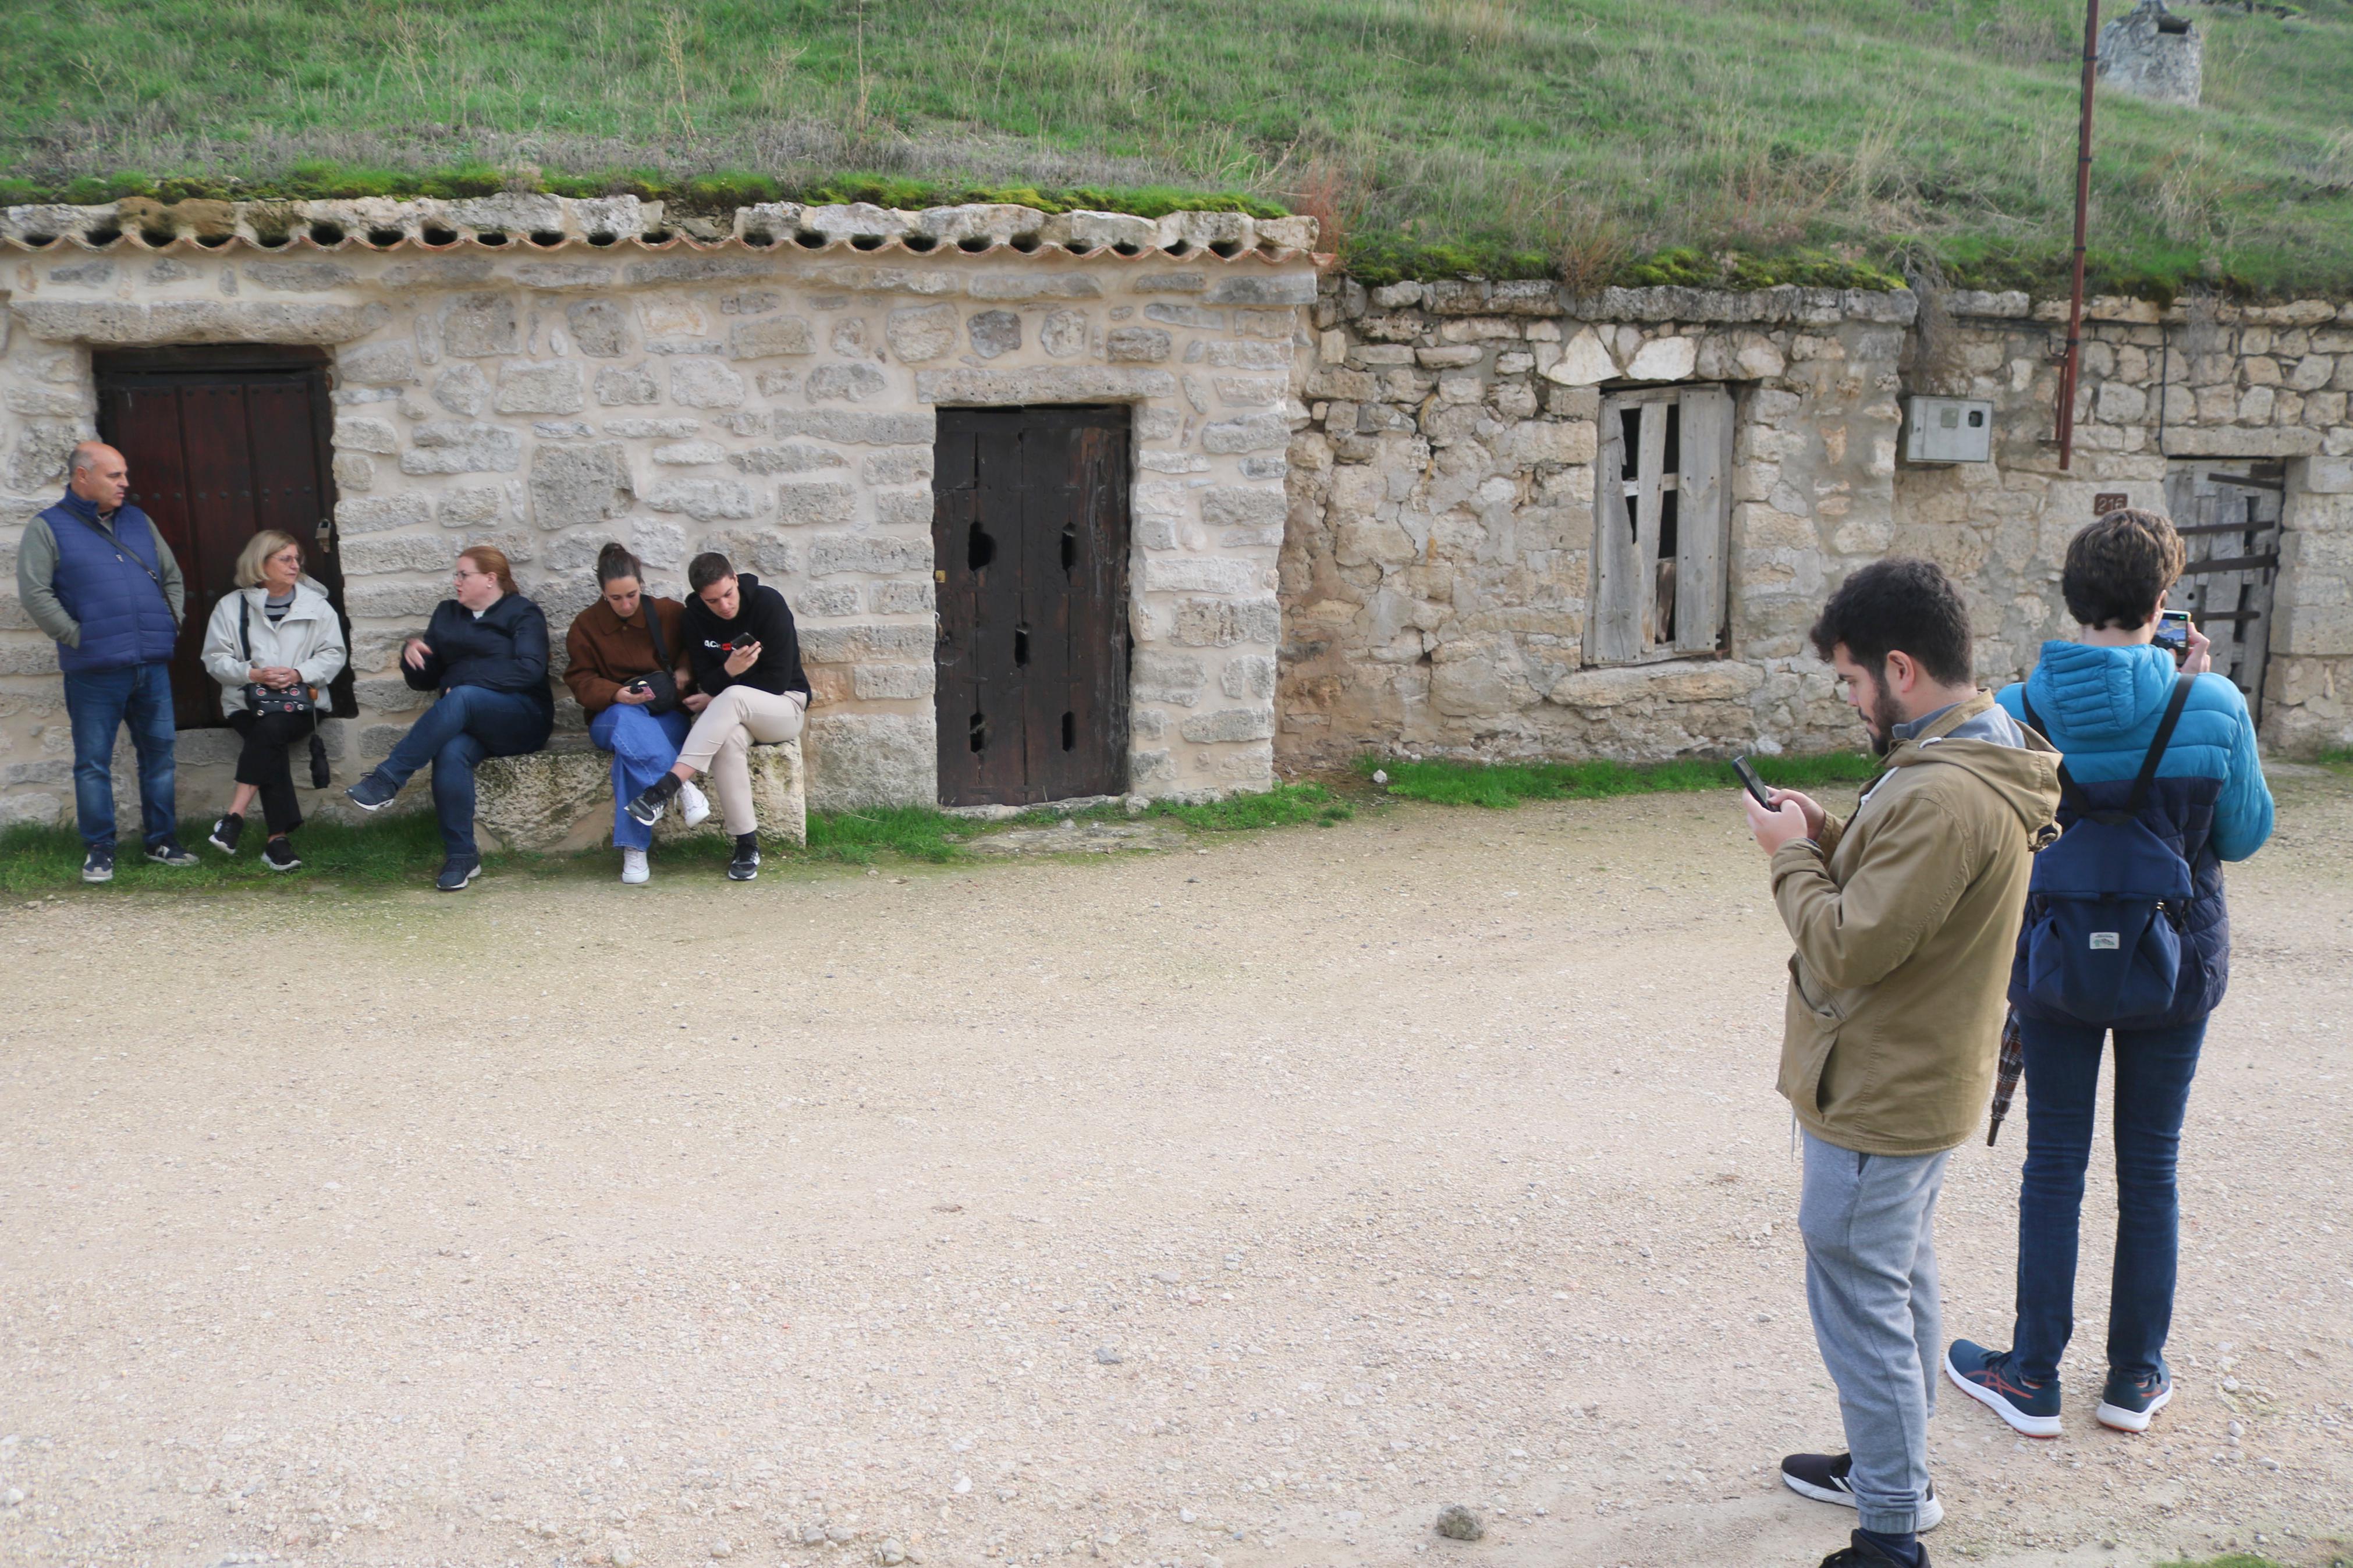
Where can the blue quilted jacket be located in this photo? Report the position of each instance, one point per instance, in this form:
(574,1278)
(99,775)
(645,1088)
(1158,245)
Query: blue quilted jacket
(2100,706)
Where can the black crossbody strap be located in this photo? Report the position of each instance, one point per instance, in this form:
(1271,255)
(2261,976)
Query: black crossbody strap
(243,629)
(2148,775)
(115,543)
(653,632)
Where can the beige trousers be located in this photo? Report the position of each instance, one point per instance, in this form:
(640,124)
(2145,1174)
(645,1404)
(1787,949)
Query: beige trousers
(721,742)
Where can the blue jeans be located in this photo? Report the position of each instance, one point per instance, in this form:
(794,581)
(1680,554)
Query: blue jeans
(644,748)
(469,723)
(98,703)
(2154,1068)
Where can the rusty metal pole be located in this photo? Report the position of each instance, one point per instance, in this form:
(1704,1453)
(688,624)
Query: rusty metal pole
(2082,206)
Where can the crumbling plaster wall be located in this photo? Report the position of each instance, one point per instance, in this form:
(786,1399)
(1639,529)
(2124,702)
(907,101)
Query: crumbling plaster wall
(777,403)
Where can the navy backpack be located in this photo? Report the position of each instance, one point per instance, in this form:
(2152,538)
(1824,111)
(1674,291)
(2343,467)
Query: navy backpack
(2106,903)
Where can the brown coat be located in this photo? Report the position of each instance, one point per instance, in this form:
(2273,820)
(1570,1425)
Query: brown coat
(606,652)
(1904,916)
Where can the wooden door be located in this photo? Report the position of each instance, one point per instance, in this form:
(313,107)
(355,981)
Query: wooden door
(2229,515)
(1029,530)
(221,444)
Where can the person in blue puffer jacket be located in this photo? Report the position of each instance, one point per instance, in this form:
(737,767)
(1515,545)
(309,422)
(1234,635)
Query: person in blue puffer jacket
(2099,700)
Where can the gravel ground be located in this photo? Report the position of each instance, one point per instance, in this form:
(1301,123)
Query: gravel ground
(1237,1205)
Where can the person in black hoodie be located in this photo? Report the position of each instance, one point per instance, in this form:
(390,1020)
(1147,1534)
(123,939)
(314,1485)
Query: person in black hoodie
(485,652)
(747,660)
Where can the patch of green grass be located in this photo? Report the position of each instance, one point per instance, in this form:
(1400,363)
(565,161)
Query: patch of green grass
(2228,1560)
(2337,757)
(1284,805)
(1746,141)
(405,848)
(1499,785)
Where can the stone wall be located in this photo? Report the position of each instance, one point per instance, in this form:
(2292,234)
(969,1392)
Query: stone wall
(1436,568)
(545,376)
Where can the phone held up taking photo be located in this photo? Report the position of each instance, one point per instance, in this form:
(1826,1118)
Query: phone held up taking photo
(1756,786)
(2173,634)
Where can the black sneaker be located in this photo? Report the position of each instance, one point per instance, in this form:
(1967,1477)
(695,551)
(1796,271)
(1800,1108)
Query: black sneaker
(224,833)
(2131,1398)
(373,793)
(279,854)
(97,866)
(169,853)
(746,862)
(646,808)
(1859,1552)
(1823,1477)
(456,871)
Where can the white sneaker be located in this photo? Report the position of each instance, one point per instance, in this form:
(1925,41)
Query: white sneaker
(634,869)
(693,809)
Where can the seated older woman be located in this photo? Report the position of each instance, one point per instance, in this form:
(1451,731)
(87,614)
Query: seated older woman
(626,663)
(485,654)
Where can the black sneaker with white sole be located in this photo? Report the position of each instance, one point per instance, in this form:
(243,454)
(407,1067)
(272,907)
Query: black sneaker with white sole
(225,833)
(1824,1478)
(97,866)
(456,871)
(169,853)
(745,863)
(279,854)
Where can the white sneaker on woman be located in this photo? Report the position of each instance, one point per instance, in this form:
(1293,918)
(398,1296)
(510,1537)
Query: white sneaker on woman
(693,809)
(634,869)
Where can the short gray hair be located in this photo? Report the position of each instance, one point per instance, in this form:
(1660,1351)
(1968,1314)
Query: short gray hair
(85,454)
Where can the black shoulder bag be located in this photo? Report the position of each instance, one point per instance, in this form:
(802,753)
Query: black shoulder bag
(263,700)
(660,681)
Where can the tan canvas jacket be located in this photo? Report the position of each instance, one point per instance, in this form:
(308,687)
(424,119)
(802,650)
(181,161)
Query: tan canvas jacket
(1905,916)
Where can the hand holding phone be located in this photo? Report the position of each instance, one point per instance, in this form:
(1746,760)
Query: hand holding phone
(1754,784)
(2173,632)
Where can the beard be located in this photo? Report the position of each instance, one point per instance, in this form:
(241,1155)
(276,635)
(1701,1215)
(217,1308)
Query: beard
(1884,716)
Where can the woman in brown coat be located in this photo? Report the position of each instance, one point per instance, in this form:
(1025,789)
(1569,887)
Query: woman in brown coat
(636,693)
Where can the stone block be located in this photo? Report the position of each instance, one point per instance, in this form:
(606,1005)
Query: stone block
(1664,359)
(867,642)
(920,332)
(856,430)
(880,554)
(551,388)
(564,799)
(600,328)
(354,471)
(384,603)
(769,339)
(480,326)
(400,552)
(573,486)
(791,458)
(1255,723)
(378,364)
(463,390)
(458,446)
(994,332)
(904,466)
(900,598)
(1137,345)
(1249,676)
(872,759)
(653,429)
(706,383)
(1262,288)
(376,514)
(890,682)
(847,382)
(690,454)
(620,386)
(807,501)
(1200,574)
(1064,334)
(1223,622)
(1251,432)
(176,322)
(469,508)
(1157,675)
(1682,681)
(1242,505)
(702,499)
(1045,384)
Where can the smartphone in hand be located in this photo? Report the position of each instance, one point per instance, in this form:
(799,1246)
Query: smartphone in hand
(2173,634)
(1756,786)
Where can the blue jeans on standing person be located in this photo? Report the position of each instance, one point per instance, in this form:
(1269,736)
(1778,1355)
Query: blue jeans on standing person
(644,747)
(98,703)
(2154,1068)
(469,723)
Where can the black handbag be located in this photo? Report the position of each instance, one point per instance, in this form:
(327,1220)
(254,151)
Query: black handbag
(662,682)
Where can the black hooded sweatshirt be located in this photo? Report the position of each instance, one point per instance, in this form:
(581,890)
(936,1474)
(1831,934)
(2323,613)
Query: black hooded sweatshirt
(762,617)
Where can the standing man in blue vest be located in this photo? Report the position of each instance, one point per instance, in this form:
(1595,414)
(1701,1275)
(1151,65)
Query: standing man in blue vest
(95,574)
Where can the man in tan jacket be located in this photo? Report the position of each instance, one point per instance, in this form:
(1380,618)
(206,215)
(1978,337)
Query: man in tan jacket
(1904,916)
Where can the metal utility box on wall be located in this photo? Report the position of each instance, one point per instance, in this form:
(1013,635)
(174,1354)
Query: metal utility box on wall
(1947,430)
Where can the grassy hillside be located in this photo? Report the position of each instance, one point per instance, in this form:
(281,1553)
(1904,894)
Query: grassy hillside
(1505,136)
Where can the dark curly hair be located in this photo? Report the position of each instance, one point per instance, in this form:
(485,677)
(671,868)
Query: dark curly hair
(1899,604)
(2119,569)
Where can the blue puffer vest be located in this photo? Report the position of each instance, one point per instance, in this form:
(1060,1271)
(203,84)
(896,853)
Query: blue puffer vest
(110,585)
(2208,802)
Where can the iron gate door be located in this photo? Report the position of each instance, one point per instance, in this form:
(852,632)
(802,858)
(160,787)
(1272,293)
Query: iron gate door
(222,443)
(1029,531)
(2228,514)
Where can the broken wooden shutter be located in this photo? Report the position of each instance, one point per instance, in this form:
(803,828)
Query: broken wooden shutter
(1662,507)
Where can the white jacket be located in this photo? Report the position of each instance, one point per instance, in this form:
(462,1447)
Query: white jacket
(310,638)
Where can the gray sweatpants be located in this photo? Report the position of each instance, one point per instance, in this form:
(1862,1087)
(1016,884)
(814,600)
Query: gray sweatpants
(1871,1284)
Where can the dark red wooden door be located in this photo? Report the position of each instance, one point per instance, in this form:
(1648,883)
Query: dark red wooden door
(222,444)
(1029,534)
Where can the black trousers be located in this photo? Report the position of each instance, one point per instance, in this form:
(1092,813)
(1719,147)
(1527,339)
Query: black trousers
(266,762)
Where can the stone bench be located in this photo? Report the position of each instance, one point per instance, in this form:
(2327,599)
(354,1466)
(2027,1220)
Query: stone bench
(562,798)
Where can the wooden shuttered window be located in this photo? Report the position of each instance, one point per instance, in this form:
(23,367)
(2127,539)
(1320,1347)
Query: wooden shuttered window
(1662,497)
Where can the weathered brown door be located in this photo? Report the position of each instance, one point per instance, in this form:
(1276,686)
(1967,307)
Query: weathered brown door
(1029,540)
(222,443)
(2229,515)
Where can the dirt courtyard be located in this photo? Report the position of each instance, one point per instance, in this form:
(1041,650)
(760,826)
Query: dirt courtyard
(1235,1207)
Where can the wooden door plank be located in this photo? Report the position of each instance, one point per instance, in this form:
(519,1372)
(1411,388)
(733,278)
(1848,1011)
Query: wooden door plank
(1613,629)
(953,478)
(1045,601)
(997,593)
(1099,635)
(1650,467)
(1702,516)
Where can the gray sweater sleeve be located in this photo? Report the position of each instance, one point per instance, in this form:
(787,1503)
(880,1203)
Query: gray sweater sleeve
(167,567)
(37,569)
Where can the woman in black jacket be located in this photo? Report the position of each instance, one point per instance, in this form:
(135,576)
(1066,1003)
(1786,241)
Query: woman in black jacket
(746,657)
(485,652)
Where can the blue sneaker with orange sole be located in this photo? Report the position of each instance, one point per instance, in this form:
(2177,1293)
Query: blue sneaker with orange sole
(2132,1397)
(1992,1379)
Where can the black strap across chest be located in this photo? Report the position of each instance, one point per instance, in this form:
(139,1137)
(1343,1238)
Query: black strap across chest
(2072,792)
(653,632)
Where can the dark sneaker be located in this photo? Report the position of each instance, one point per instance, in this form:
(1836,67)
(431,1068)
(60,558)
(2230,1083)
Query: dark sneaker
(279,854)
(1862,1551)
(373,793)
(225,832)
(1987,1377)
(745,865)
(2132,1397)
(97,866)
(169,853)
(1823,1477)
(646,808)
(456,871)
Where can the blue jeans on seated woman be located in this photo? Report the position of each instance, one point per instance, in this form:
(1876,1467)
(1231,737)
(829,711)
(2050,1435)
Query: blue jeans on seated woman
(2154,1068)
(469,723)
(644,748)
